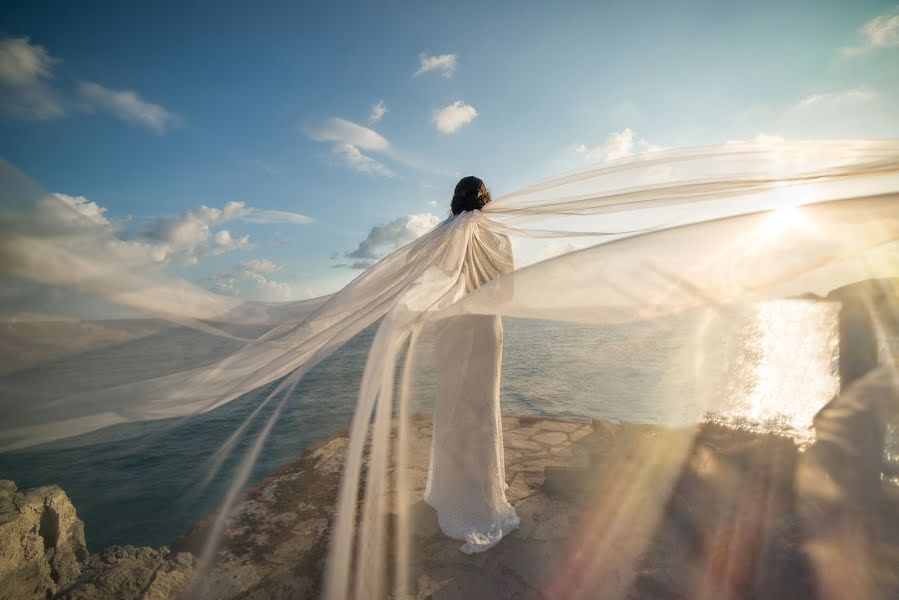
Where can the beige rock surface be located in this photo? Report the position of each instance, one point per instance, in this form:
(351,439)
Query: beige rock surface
(276,540)
(41,541)
(43,555)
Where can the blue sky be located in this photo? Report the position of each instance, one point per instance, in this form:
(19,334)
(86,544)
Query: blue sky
(154,111)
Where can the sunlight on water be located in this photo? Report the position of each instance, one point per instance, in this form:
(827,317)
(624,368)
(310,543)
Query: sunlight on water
(786,367)
(891,455)
(768,366)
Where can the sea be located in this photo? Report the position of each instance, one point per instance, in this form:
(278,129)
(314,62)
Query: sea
(769,366)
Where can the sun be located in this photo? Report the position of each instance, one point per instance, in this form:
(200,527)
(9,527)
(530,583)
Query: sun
(783,219)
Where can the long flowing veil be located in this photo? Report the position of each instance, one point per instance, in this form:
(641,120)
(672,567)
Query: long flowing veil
(632,240)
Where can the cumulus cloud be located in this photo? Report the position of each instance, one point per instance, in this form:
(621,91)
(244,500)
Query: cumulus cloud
(349,140)
(25,72)
(880,32)
(383,239)
(377,112)
(71,246)
(618,144)
(450,118)
(252,278)
(443,63)
(183,239)
(126,105)
(191,235)
(78,209)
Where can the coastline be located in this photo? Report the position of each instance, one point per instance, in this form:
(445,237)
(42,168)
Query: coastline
(643,510)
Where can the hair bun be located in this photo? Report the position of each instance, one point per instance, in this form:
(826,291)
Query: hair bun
(470,194)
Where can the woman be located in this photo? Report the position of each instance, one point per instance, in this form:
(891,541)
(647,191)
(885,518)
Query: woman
(466,480)
(725,250)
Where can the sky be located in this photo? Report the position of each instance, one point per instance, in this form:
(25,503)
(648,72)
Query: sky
(273,150)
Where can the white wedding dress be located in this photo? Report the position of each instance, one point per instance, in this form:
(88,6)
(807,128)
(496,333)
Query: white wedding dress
(466,479)
(635,239)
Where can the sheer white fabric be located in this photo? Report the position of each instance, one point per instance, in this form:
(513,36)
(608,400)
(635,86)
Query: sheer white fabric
(670,231)
(466,478)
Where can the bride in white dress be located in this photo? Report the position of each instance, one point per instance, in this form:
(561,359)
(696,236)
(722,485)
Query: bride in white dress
(659,234)
(466,480)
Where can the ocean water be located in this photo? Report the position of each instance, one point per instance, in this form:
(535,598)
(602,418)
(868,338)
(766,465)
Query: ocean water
(772,365)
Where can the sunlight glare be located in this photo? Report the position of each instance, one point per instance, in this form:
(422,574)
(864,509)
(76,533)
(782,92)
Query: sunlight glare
(783,219)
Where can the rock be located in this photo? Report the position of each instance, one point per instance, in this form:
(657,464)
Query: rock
(525,432)
(172,578)
(449,583)
(579,434)
(556,527)
(329,456)
(511,423)
(530,511)
(41,541)
(130,573)
(521,487)
(563,426)
(43,555)
(520,443)
(275,539)
(552,438)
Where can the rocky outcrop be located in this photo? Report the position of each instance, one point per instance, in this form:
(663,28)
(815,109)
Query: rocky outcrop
(637,510)
(43,555)
(275,540)
(41,542)
(130,573)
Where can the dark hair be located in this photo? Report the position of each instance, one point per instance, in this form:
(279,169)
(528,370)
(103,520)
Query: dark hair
(470,194)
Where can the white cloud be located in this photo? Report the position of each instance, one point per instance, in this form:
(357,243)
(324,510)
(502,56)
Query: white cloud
(183,239)
(24,63)
(880,32)
(77,209)
(450,118)
(383,239)
(271,217)
(445,63)
(377,112)
(260,265)
(190,236)
(25,70)
(126,105)
(347,132)
(70,244)
(251,278)
(349,140)
(355,159)
(618,144)
(859,94)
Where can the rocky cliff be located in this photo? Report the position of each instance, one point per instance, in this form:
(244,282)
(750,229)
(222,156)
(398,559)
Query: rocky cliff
(41,542)
(43,555)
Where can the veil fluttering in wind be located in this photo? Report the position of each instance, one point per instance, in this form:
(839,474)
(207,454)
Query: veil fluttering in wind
(631,240)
